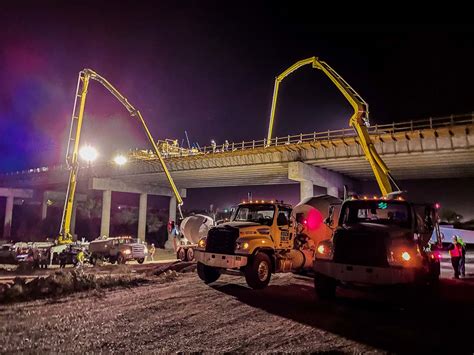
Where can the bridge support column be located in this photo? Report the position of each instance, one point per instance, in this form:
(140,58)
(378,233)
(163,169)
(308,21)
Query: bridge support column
(7,226)
(172,217)
(172,210)
(142,208)
(333,191)
(44,206)
(106,206)
(10,194)
(306,189)
(309,175)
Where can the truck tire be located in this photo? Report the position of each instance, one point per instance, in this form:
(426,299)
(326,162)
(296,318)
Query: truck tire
(259,271)
(181,254)
(325,287)
(121,259)
(112,260)
(208,274)
(141,261)
(190,254)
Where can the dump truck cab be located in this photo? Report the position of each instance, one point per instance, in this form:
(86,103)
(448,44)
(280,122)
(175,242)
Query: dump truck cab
(378,241)
(250,242)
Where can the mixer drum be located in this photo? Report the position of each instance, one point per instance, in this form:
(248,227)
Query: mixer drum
(196,227)
(315,210)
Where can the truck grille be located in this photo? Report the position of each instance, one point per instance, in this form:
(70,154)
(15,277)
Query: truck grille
(222,240)
(138,251)
(360,249)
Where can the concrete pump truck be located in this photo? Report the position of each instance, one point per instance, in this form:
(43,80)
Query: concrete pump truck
(378,241)
(65,236)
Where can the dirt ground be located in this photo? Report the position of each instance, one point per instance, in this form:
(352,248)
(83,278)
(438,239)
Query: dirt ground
(181,314)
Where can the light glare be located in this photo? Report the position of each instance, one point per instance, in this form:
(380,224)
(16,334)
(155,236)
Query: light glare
(120,160)
(88,153)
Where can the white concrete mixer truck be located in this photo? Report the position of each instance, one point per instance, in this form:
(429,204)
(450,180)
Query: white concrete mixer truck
(264,238)
(192,229)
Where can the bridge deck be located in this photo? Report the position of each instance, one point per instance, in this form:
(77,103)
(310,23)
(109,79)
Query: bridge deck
(432,148)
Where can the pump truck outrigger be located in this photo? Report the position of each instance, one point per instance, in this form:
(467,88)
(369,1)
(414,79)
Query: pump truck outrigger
(72,162)
(258,241)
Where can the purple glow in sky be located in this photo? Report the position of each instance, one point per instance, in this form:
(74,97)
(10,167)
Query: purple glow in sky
(209,70)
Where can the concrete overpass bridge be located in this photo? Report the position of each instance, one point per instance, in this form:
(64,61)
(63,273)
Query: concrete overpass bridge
(423,149)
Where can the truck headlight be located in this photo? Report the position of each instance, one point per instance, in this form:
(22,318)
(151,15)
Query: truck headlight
(324,250)
(401,254)
(202,243)
(127,251)
(242,246)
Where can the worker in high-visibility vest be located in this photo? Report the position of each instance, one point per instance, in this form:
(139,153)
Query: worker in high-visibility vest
(462,262)
(455,251)
(80,258)
(151,251)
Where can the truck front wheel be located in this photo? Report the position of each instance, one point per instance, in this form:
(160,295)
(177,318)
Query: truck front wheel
(208,274)
(324,286)
(121,259)
(259,271)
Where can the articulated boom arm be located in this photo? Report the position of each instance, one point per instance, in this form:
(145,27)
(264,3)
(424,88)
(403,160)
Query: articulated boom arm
(73,145)
(359,120)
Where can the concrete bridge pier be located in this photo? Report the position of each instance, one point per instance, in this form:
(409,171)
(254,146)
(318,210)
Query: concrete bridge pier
(109,185)
(172,217)
(105,217)
(142,208)
(11,194)
(308,176)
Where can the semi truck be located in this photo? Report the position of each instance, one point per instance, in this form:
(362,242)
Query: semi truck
(378,241)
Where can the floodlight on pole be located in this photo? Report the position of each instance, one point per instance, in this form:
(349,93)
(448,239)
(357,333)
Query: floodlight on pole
(88,153)
(120,159)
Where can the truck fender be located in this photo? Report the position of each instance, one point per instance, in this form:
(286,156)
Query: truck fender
(270,252)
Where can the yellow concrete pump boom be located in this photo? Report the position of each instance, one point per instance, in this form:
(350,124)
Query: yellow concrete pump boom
(85,76)
(359,120)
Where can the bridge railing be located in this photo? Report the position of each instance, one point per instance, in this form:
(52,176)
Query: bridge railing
(392,128)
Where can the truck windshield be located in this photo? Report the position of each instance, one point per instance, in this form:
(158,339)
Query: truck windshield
(258,213)
(125,240)
(378,211)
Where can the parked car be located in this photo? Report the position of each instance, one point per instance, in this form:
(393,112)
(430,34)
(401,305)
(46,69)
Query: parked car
(7,254)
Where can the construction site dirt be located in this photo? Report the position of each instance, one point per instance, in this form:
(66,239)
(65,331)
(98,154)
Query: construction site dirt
(173,311)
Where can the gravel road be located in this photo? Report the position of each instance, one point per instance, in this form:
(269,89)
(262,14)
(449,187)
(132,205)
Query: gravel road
(185,315)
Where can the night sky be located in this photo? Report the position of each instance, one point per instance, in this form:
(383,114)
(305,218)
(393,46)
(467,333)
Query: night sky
(209,70)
